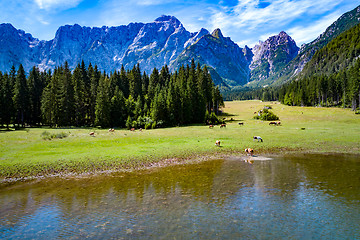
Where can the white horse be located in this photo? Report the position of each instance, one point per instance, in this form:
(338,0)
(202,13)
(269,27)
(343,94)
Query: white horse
(257,138)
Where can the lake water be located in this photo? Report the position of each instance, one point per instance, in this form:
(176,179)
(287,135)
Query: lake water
(289,197)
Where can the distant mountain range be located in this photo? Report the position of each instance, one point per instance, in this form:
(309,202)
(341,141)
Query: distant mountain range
(166,42)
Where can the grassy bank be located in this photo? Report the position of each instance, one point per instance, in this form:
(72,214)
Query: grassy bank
(26,153)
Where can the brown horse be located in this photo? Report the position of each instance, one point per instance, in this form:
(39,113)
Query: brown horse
(249,151)
(222,125)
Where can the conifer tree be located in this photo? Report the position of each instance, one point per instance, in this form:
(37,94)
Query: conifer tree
(118,111)
(124,86)
(103,104)
(135,82)
(36,87)
(79,96)
(7,106)
(21,97)
(94,75)
(66,97)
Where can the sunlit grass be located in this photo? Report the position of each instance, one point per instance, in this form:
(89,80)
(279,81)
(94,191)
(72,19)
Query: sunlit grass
(26,153)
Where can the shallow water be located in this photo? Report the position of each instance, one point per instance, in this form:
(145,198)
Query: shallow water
(289,197)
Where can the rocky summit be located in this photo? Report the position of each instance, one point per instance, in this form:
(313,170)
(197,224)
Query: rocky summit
(272,55)
(221,54)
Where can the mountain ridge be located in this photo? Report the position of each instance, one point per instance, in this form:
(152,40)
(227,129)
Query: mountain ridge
(165,41)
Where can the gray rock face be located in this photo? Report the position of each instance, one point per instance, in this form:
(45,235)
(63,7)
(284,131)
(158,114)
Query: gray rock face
(220,54)
(17,47)
(151,45)
(272,55)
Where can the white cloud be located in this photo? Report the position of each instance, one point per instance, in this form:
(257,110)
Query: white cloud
(150,2)
(62,4)
(306,34)
(248,15)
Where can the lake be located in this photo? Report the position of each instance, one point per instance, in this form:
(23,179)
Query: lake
(284,197)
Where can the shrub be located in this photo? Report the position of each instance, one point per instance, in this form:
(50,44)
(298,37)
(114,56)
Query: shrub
(49,136)
(266,115)
(212,118)
(128,122)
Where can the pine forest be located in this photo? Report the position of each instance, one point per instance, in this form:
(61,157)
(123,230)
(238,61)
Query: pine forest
(88,97)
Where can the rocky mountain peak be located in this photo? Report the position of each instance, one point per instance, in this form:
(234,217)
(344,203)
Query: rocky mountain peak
(217,34)
(169,19)
(272,55)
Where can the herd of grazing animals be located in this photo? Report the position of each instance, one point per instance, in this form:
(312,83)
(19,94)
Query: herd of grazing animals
(249,151)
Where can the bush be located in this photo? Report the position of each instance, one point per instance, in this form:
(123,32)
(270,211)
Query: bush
(266,115)
(128,122)
(212,118)
(49,136)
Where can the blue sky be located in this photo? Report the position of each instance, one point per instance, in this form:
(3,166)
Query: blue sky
(245,21)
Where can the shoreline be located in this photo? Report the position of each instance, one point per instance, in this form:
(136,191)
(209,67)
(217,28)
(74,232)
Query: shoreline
(166,162)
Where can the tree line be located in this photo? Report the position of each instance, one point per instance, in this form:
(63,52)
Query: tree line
(337,89)
(124,98)
(341,88)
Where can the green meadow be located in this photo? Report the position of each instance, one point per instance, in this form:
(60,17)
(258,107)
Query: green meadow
(25,153)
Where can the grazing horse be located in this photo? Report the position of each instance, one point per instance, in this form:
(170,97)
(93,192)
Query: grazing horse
(257,138)
(211,126)
(273,123)
(92,134)
(278,123)
(222,125)
(217,143)
(249,151)
(111,130)
(241,123)
(132,129)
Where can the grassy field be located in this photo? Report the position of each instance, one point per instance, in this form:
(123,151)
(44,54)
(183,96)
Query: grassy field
(304,129)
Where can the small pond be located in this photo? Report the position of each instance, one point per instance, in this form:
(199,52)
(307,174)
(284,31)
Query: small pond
(287,197)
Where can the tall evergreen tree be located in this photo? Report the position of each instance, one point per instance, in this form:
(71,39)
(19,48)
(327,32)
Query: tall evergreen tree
(7,106)
(103,104)
(36,87)
(79,96)
(135,84)
(21,96)
(117,110)
(66,97)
